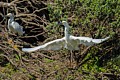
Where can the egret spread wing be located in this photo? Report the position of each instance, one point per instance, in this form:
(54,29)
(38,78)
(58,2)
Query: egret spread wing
(52,45)
(87,41)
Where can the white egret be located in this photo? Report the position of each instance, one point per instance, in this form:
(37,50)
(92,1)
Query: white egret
(14,26)
(69,42)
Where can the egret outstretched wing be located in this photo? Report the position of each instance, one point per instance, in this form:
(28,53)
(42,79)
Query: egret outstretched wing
(87,41)
(52,45)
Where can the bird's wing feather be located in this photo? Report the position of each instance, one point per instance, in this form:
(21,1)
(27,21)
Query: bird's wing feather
(52,45)
(88,41)
(99,40)
(17,27)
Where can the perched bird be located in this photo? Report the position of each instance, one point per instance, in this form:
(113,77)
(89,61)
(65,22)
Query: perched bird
(14,26)
(68,41)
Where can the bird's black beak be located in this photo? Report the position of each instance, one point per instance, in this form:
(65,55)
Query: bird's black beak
(4,17)
(60,23)
(7,16)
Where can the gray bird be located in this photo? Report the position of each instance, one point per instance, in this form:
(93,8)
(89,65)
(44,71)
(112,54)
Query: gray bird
(14,26)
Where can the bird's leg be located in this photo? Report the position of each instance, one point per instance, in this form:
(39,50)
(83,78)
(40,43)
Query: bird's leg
(9,31)
(71,58)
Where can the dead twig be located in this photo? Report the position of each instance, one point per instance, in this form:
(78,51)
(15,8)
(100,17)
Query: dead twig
(15,66)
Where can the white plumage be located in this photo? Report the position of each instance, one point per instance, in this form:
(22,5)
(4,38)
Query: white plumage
(69,42)
(14,26)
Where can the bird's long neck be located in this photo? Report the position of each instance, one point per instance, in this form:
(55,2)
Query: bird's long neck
(11,19)
(66,32)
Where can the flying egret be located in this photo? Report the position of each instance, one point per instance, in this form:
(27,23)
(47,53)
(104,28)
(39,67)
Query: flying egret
(14,26)
(69,42)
